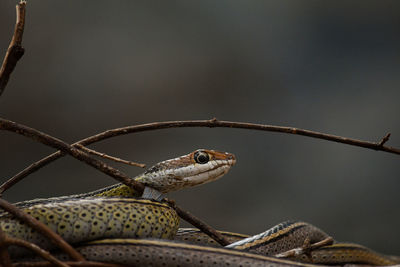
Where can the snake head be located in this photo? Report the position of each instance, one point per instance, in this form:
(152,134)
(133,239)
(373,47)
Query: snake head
(199,167)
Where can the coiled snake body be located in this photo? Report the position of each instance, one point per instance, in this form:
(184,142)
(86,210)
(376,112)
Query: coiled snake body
(114,222)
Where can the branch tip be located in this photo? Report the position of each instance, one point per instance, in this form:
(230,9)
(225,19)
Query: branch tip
(383,140)
(103,155)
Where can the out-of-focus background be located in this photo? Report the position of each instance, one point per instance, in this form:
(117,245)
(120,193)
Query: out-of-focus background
(326,66)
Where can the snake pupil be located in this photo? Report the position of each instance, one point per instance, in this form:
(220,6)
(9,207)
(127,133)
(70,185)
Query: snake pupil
(201,157)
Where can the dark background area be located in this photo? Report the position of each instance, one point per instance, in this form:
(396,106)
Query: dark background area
(326,66)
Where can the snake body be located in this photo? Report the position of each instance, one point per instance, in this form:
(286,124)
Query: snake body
(287,236)
(95,218)
(282,237)
(144,252)
(116,212)
(135,252)
(346,252)
(162,253)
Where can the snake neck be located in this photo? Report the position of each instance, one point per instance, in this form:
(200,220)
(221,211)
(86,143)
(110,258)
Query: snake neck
(116,190)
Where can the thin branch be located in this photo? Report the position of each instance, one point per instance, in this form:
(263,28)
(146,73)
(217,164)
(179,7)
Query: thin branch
(4,256)
(239,125)
(204,227)
(103,155)
(74,152)
(41,228)
(15,50)
(36,249)
(307,248)
(199,123)
(28,170)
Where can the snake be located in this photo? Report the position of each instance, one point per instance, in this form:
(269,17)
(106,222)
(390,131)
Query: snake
(116,224)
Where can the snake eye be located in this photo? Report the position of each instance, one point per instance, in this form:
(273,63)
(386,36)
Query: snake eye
(201,157)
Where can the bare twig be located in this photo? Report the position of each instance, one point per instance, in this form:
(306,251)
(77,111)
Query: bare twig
(28,170)
(74,152)
(94,152)
(15,50)
(4,256)
(306,248)
(240,125)
(41,228)
(36,249)
(384,140)
(199,123)
(204,227)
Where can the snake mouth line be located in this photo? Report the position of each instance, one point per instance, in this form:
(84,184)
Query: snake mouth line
(220,167)
(199,167)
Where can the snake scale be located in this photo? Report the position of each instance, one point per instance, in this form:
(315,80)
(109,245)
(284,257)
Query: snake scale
(112,225)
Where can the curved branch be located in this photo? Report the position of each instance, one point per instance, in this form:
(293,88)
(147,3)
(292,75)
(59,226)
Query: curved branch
(196,123)
(15,50)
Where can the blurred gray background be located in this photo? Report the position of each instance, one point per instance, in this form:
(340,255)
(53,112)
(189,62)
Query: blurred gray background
(326,66)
